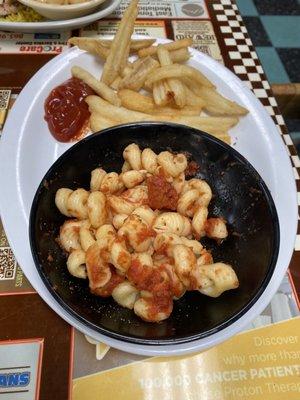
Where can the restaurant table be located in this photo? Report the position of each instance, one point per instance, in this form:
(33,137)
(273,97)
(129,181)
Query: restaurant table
(61,360)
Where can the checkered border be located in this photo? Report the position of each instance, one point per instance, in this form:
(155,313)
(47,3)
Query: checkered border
(246,65)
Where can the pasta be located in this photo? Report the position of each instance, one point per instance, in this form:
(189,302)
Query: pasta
(135,235)
(179,182)
(97,176)
(125,294)
(76,264)
(118,205)
(86,237)
(188,202)
(174,223)
(105,236)
(111,183)
(61,200)
(184,261)
(126,167)
(198,222)
(203,189)
(146,214)
(96,209)
(132,154)
(216,278)
(133,178)
(215,228)
(119,255)
(173,165)
(69,235)
(118,220)
(97,267)
(149,160)
(77,204)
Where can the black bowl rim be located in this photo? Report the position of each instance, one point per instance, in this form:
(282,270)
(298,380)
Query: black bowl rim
(171,341)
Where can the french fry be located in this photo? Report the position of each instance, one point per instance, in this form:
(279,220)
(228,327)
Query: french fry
(179,92)
(136,79)
(212,125)
(178,44)
(98,122)
(119,49)
(161,93)
(115,84)
(180,55)
(192,99)
(163,56)
(178,71)
(99,87)
(124,61)
(127,70)
(90,45)
(216,104)
(105,43)
(177,56)
(175,85)
(141,44)
(135,44)
(191,85)
(145,104)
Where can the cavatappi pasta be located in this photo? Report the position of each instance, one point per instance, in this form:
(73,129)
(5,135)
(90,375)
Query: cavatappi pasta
(136,235)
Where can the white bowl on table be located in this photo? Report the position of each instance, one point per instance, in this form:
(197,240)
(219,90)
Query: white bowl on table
(63,11)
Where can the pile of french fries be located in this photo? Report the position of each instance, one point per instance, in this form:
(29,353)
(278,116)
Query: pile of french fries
(156,86)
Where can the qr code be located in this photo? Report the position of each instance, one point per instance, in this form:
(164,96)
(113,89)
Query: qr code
(4,99)
(3,238)
(8,264)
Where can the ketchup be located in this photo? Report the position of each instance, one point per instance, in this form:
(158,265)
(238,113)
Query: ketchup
(161,194)
(66,112)
(155,282)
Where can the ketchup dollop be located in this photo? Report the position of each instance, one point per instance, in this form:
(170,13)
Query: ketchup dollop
(161,194)
(66,112)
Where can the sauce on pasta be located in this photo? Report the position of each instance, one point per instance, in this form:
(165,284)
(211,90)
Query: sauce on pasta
(66,112)
(134,234)
(146,233)
(155,281)
(161,194)
(114,281)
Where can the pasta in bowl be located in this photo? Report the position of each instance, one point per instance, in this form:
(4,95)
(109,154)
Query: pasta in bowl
(136,234)
(210,212)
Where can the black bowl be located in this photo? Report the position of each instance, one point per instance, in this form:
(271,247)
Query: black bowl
(240,196)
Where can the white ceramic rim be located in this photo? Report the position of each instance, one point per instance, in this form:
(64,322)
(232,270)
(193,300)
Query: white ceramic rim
(17,232)
(61,24)
(64,7)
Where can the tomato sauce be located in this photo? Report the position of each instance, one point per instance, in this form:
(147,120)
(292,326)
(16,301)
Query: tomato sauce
(154,281)
(114,281)
(161,194)
(145,233)
(66,112)
(192,169)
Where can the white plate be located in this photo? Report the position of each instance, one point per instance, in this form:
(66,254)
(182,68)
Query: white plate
(56,26)
(28,150)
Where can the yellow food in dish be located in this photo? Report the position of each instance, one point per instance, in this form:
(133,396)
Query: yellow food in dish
(156,86)
(135,235)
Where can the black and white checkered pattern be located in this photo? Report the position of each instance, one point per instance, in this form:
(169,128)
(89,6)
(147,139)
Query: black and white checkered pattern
(245,63)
